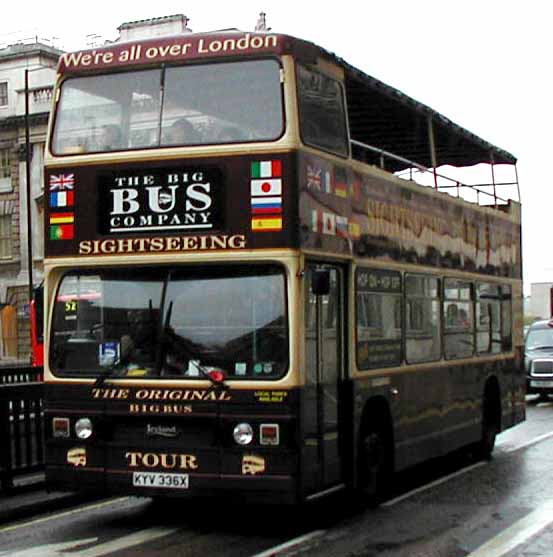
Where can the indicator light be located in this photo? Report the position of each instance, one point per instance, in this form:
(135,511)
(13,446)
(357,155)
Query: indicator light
(269,434)
(60,427)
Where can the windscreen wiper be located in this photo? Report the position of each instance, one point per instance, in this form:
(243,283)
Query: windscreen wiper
(215,384)
(109,373)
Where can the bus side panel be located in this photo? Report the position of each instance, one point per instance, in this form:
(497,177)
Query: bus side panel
(438,409)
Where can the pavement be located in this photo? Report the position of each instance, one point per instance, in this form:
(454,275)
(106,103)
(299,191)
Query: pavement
(30,498)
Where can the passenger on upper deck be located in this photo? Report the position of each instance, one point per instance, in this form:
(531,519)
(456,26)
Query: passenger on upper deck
(182,132)
(110,138)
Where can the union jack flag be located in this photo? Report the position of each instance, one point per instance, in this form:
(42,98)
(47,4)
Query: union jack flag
(313,178)
(60,182)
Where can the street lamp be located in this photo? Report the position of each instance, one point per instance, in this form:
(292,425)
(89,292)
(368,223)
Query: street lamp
(28,186)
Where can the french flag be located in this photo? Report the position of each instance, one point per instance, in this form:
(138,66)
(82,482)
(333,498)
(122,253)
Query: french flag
(62,198)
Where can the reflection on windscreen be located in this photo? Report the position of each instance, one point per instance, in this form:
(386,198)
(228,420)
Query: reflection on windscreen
(539,338)
(201,104)
(178,323)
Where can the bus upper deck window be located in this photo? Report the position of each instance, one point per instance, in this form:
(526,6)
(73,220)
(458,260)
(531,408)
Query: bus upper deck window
(322,111)
(203,104)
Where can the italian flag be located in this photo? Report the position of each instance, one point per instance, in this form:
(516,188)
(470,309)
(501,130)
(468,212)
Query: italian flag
(266,169)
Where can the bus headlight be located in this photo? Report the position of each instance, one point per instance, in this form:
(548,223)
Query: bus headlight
(243,434)
(83,428)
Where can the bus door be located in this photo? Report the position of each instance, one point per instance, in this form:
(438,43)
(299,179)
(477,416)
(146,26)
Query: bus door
(324,331)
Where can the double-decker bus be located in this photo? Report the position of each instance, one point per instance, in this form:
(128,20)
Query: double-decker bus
(248,288)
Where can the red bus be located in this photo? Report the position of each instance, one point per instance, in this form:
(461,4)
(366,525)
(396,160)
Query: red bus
(248,292)
(37,327)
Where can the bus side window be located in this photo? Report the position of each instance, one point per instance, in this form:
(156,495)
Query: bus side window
(458,318)
(322,112)
(422,318)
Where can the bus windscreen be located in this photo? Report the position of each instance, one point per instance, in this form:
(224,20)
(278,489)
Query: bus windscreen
(200,104)
(171,323)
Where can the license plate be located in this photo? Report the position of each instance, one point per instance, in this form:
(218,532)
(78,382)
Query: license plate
(541,383)
(159,479)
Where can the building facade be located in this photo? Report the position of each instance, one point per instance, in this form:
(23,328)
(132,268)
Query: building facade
(37,62)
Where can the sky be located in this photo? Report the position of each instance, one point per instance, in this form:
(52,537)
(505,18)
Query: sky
(485,64)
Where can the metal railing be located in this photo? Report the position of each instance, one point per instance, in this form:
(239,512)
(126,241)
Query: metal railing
(450,183)
(21,423)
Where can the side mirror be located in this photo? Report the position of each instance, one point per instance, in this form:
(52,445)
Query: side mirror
(320,282)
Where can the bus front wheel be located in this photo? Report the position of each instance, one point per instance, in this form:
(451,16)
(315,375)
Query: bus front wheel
(374,466)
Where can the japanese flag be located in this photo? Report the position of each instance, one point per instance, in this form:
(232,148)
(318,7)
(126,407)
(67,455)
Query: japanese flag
(266,187)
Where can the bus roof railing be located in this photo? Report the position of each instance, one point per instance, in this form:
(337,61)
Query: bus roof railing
(453,183)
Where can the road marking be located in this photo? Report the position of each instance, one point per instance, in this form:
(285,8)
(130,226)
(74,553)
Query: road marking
(516,534)
(287,545)
(530,443)
(439,481)
(49,550)
(78,510)
(125,542)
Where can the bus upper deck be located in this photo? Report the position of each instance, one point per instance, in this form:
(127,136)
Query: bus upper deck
(179,114)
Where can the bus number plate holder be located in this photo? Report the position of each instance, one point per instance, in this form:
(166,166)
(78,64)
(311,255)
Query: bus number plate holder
(160,479)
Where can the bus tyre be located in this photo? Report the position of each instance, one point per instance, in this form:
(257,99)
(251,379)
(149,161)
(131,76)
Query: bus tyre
(374,466)
(490,423)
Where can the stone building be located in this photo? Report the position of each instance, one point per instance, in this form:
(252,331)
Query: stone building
(40,61)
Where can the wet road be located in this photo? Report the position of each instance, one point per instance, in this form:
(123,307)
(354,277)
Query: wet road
(447,509)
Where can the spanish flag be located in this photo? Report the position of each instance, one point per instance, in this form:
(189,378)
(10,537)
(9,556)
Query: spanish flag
(266,224)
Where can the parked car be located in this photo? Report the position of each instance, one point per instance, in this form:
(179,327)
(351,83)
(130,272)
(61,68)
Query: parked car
(538,358)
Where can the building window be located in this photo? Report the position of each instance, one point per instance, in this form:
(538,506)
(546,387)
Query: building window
(5,171)
(5,236)
(4,93)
